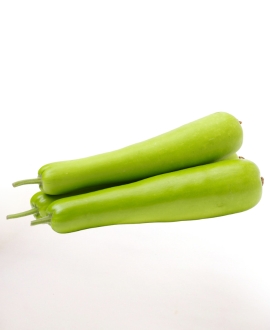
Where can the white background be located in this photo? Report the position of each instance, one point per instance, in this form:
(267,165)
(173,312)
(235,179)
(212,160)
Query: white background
(84,77)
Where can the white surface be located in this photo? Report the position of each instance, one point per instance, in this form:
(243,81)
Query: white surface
(80,78)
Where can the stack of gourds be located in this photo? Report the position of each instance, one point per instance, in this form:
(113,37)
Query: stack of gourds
(189,173)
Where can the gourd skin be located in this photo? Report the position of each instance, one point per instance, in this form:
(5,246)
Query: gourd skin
(41,201)
(200,142)
(231,156)
(206,191)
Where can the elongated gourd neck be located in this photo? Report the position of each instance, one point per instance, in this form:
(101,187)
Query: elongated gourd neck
(27,181)
(45,220)
(23,214)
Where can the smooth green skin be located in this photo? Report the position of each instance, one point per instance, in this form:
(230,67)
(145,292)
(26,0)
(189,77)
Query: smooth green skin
(206,191)
(200,142)
(227,157)
(41,201)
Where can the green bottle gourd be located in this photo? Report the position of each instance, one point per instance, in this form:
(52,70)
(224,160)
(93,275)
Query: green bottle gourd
(200,142)
(40,201)
(206,191)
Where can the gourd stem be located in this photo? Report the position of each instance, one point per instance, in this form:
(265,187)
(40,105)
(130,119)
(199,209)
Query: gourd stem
(22,214)
(46,219)
(27,181)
